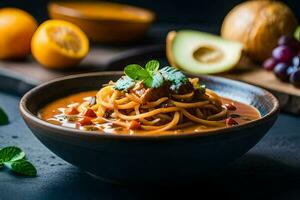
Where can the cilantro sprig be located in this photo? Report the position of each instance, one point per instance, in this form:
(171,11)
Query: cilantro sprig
(151,76)
(13,158)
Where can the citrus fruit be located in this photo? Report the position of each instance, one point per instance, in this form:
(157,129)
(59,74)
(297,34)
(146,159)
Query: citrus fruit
(58,44)
(16,30)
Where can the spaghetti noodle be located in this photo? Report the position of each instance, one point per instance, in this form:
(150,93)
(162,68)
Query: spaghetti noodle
(165,113)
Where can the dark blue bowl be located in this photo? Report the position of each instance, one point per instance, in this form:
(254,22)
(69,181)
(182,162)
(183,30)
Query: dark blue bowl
(156,159)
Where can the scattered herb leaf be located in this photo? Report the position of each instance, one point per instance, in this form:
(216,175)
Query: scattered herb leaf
(3,117)
(8,154)
(124,83)
(14,159)
(22,167)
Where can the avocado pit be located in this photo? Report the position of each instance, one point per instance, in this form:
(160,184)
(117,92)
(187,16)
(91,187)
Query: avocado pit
(208,54)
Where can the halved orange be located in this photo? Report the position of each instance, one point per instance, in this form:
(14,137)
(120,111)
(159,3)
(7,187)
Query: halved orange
(59,44)
(16,30)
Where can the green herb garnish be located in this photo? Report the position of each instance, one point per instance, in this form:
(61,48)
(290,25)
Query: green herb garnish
(151,76)
(176,77)
(124,83)
(136,72)
(155,81)
(152,66)
(14,159)
(3,117)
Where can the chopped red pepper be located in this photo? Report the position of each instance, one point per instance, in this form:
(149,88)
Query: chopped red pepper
(231,122)
(90,113)
(71,111)
(134,125)
(85,121)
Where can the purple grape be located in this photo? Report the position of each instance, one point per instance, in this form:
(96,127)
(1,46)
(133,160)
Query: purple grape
(289,41)
(280,71)
(269,64)
(296,61)
(283,54)
(295,78)
(291,69)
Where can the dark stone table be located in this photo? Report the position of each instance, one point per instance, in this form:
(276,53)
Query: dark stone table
(271,170)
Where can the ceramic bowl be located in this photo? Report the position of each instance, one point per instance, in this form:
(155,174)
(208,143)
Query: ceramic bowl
(123,24)
(152,159)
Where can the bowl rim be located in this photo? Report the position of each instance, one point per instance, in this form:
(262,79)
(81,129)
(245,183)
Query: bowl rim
(80,133)
(62,8)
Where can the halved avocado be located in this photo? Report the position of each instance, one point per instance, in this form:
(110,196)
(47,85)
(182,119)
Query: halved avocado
(202,53)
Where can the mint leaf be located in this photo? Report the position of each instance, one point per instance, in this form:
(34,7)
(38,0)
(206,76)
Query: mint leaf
(136,72)
(154,81)
(152,66)
(10,154)
(22,167)
(13,158)
(3,117)
(176,77)
(124,83)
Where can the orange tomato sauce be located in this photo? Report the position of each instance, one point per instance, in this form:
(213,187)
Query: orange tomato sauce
(53,113)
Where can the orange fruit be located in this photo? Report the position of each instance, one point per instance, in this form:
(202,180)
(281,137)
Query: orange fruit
(16,30)
(58,44)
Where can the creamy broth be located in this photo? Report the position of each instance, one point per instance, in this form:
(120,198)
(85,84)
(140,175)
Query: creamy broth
(54,113)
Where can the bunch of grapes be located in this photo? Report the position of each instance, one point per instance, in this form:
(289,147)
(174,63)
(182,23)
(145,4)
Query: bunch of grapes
(285,60)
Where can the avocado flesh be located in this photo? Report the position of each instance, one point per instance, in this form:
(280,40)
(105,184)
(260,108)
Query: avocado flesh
(204,53)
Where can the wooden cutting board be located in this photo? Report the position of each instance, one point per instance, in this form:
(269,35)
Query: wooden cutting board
(287,94)
(100,59)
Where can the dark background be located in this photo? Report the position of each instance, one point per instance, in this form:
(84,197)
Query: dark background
(207,13)
(268,171)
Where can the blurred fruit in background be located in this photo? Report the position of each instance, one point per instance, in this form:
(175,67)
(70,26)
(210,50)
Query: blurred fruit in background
(297,33)
(16,30)
(202,53)
(59,44)
(258,25)
(105,22)
(285,60)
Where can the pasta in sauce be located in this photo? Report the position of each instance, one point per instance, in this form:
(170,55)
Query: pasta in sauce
(148,111)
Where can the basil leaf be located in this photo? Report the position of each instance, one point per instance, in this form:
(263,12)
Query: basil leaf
(176,77)
(3,117)
(136,72)
(124,83)
(22,167)
(12,153)
(155,81)
(152,66)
